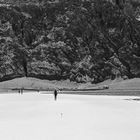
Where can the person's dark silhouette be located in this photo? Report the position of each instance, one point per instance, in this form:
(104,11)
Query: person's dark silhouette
(55,94)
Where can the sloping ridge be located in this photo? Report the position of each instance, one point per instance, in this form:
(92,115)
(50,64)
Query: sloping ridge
(34,83)
(131,84)
(37,84)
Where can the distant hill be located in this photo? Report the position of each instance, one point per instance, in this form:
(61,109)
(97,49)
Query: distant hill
(33,83)
(116,87)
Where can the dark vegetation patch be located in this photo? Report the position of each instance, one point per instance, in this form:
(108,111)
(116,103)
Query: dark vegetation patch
(84,41)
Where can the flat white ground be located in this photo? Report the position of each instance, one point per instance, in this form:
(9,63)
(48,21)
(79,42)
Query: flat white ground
(34,116)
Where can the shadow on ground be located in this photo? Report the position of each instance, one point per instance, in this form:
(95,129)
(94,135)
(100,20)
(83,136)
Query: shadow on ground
(135,99)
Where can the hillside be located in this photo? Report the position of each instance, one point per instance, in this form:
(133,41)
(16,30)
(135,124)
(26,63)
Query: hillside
(33,83)
(81,41)
(118,85)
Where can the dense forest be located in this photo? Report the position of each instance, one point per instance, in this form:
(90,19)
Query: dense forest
(80,40)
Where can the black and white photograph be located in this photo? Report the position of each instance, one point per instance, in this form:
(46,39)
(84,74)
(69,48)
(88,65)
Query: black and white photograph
(69,69)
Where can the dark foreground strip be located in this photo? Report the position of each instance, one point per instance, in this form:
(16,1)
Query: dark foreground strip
(111,92)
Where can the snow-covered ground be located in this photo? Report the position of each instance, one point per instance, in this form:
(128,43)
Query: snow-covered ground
(35,116)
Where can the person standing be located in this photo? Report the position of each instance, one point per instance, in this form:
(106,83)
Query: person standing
(55,94)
